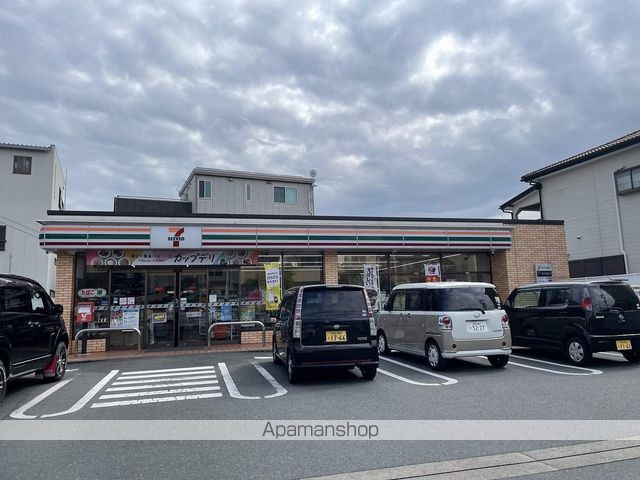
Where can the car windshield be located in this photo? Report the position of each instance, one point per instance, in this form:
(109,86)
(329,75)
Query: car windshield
(606,297)
(320,301)
(467,298)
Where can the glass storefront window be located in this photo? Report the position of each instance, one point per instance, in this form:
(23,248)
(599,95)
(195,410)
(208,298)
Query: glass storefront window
(466,267)
(93,289)
(127,301)
(351,271)
(302,269)
(409,267)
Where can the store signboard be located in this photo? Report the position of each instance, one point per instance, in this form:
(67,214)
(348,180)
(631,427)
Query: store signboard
(170,258)
(176,237)
(544,273)
(92,292)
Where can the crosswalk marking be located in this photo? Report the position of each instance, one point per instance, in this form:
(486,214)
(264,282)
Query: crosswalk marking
(149,393)
(173,374)
(157,380)
(141,401)
(162,385)
(186,369)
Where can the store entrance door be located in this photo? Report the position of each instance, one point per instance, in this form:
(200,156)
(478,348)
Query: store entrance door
(160,316)
(193,316)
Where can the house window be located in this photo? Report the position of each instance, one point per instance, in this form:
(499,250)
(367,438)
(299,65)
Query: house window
(287,195)
(248,197)
(204,189)
(3,237)
(21,165)
(628,180)
(60,200)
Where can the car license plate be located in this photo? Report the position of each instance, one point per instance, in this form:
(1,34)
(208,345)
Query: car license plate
(336,336)
(623,344)
(474,327)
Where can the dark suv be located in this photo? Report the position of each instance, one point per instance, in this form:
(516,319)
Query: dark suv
(579,318)
(326,326)
(33,338)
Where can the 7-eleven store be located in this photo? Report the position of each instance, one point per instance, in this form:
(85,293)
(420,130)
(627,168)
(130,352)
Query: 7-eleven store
(171,277)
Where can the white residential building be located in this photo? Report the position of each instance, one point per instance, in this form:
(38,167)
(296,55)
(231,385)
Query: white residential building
(239,193)
(597,194)
(31,182)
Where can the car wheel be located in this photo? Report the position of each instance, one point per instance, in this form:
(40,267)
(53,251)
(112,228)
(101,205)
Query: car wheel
(3,381)
(434,357)
(292,372)
(368,373)
(383,347)
(632,356)
(498,361)
(59,364)
(274,352)
(578,351)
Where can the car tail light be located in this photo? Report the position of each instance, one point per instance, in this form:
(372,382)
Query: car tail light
(586,304)
(445,322)
(372,322)
(505,320)
(297,318)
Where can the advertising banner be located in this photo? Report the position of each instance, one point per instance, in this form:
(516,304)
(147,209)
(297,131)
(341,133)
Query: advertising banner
(432,272)
(371,281)
(168,258)
(272,273)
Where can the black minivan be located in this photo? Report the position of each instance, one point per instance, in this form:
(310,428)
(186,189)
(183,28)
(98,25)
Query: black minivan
(325,326)
(579,318)
(33,338)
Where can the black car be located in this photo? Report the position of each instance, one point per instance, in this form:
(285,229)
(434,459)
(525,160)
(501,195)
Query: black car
(33,338)
(326,326)
(579,318)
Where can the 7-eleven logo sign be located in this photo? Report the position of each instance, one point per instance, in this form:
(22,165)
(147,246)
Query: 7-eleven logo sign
(176,237)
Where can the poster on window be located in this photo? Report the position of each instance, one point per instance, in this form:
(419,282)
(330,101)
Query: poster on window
(272,274)
(371,280)
(247,313)
(432,272)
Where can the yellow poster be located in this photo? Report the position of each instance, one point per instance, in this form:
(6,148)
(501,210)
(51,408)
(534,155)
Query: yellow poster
(272,272)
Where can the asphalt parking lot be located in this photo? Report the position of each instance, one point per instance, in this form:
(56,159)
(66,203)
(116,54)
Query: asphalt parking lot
(247,386)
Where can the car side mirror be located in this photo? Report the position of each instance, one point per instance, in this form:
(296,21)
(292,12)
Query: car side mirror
(57,309)
(505,303)
(386,307)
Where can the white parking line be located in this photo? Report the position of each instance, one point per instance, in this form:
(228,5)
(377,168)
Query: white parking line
(88,396)
(186,369)
(149,393)
(231,385)
(156,400)
(162,385)
(280,390)
(19,412)
(588,371)
(173,374)
(613,354)
(156,380)
(447,380)
(263,358)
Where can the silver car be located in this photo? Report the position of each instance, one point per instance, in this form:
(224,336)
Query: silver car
(445,320)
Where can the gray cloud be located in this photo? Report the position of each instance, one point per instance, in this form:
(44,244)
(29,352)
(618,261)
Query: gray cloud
(404,107)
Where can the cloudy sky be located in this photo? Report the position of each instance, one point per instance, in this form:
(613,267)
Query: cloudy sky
(424,108)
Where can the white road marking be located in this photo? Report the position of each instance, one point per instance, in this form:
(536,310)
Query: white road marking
(231,385)
(156,400)
(588,371)
(71,370)
(280,390)
(174,374)
(148,393)
(263,358)
(407,380)
(447,380)
(156,380)
(88,396)
(613,354)
(162,385)
(186,369)
(19,412)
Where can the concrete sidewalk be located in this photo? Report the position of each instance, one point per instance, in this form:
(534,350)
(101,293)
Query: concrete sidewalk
(117,354)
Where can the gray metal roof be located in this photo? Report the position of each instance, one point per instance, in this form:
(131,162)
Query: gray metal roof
(618,144)
(17,146)
(215,172)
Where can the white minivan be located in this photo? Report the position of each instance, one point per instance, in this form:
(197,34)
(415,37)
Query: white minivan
(445,320)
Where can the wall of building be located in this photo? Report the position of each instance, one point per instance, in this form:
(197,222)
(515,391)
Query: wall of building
(532,244)
(230,196)
(584,197)
(24,199)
